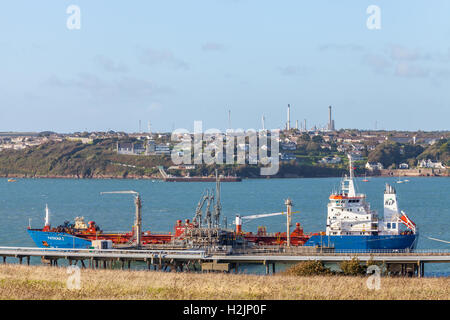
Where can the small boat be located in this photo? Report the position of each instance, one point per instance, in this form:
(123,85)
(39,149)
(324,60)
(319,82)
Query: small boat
(12,180)
(365,178)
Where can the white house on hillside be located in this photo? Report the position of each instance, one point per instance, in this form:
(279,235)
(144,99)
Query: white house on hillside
(431,164)
(374,166)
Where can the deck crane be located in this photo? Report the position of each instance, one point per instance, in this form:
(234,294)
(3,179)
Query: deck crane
(137,228)
(218,205)
(198,210)
(212,219)
(288,214)
(208,220)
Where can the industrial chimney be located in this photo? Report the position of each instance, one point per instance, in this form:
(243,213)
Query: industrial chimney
(330,120)
(288,126)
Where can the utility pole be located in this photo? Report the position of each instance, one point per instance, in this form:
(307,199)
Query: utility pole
(138,221)
(288,204)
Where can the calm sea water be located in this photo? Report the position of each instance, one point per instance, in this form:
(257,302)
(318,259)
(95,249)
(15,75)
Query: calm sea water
(425,200)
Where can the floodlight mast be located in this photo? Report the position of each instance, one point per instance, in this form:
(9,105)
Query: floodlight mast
(137,228)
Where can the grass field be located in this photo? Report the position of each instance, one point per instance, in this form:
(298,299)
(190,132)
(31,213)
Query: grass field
(41,282)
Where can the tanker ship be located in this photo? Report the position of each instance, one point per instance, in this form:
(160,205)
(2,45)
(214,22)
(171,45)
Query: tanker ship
(351,224)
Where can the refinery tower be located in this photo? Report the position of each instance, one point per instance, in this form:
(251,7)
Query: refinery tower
(330,120)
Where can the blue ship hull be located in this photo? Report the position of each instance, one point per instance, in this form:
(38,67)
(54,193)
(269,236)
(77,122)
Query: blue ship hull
(380,242)
(58,240)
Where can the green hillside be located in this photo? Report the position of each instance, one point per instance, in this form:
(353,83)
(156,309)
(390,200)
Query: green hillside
(100,160)
(74,159)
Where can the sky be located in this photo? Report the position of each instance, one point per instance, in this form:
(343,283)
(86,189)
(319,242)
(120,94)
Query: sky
(174,62)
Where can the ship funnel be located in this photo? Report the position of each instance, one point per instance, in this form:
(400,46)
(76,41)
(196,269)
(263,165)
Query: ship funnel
(390,204)
(238,224)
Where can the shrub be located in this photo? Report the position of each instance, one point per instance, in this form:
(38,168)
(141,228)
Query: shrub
(352,267)
(308,268)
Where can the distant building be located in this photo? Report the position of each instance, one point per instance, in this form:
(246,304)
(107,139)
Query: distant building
(431,164)
(162,149)
(291,146)
(342,148)
(151,147)
(330,160)
(125,148)
(182,167)
(403,166)
(374,166)
(356,156)
(402,139)
(139,148)
(287,157)
(81,139)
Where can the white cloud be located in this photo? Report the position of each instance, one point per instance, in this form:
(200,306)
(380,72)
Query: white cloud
(398,52)
(341,47)
(406,69)
(213,46)
(151,57)
(123,88)
(107,64)
(292,70)
(378,63)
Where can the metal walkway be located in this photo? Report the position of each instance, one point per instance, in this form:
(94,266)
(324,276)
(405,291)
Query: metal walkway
(417,258)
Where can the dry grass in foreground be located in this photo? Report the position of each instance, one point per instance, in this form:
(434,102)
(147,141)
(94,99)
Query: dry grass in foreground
(40,282)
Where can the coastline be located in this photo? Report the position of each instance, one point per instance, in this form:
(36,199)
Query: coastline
(136,177)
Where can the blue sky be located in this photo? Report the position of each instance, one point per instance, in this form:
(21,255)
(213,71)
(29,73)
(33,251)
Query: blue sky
(173,62)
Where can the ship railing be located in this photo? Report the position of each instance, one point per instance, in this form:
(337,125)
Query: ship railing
(143,231)
(308,250)
(201,253)
(391,251)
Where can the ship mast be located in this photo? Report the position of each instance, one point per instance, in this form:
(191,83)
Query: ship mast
(47,216)
(348,183)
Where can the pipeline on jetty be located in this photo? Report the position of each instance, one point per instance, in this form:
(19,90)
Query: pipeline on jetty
(401,263)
